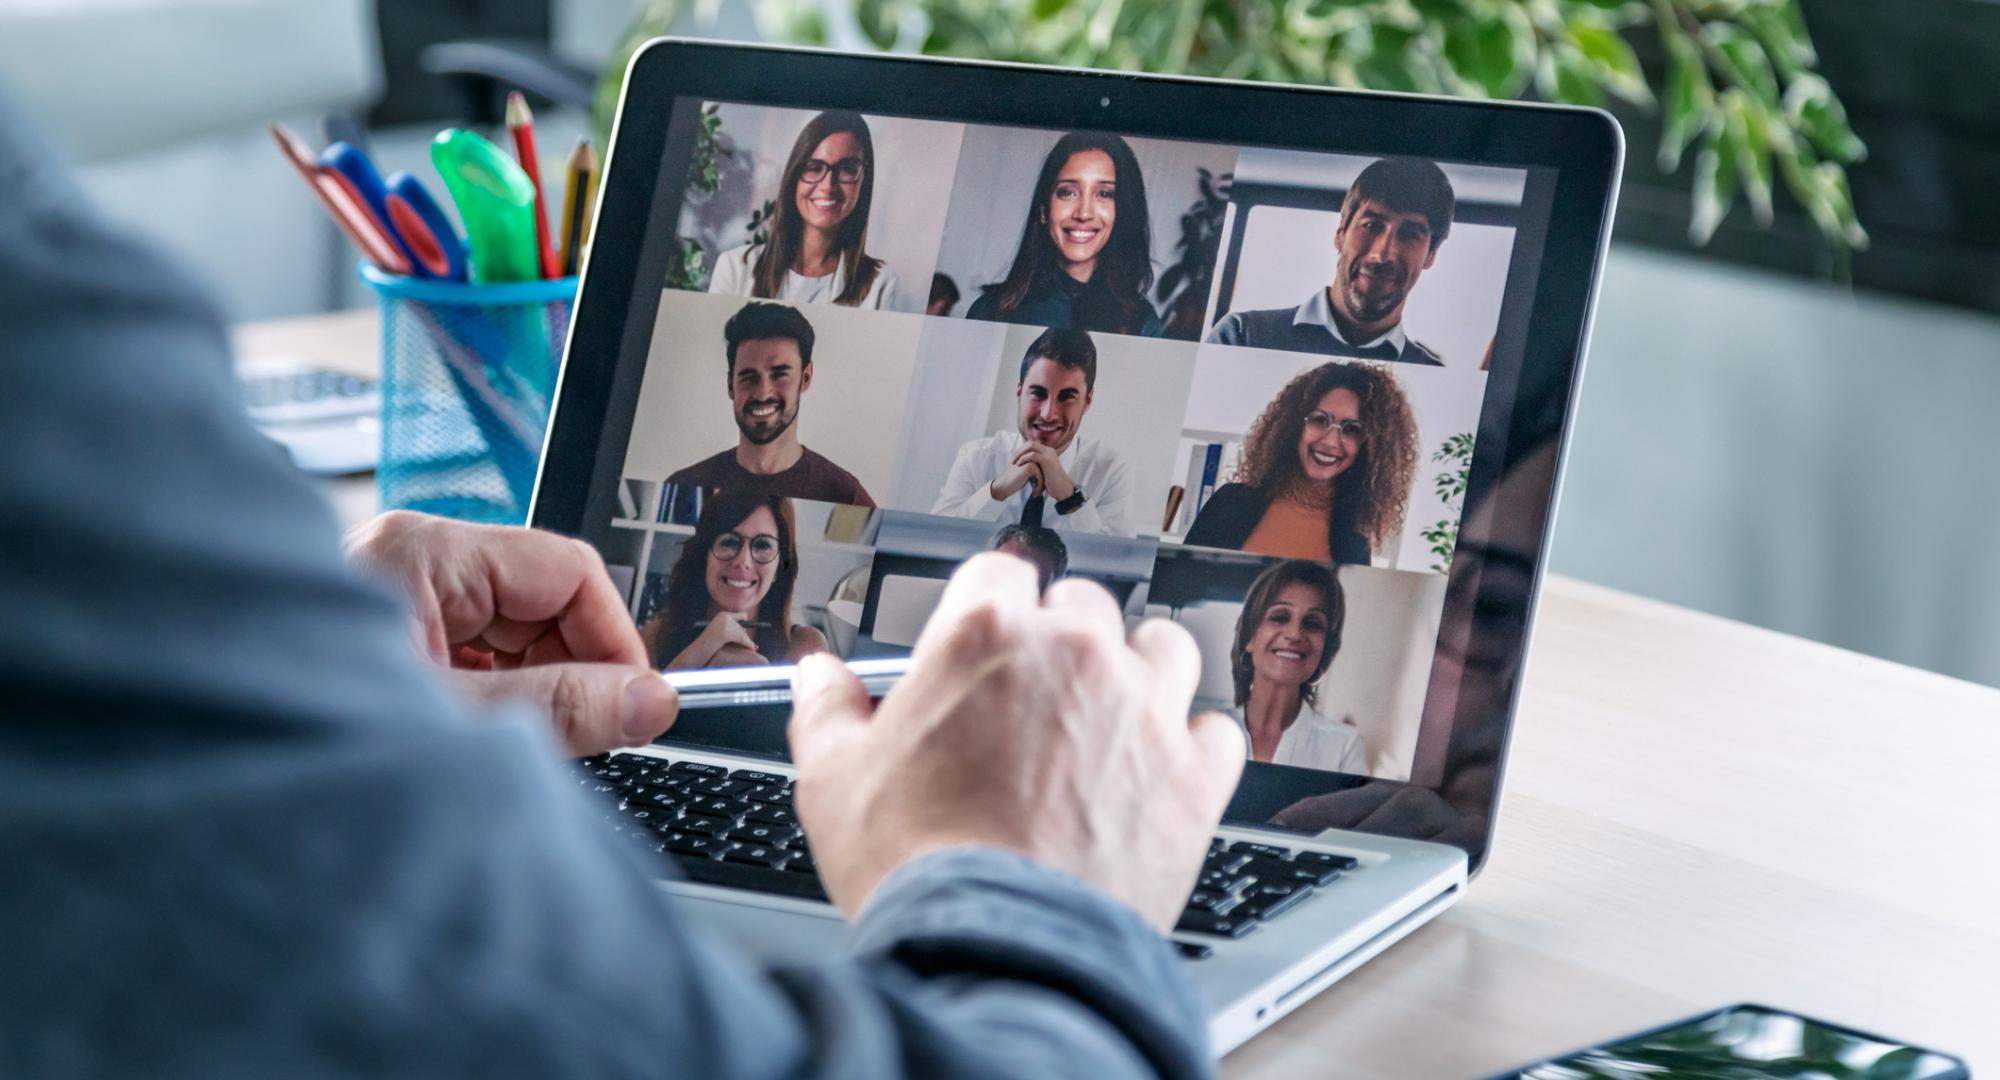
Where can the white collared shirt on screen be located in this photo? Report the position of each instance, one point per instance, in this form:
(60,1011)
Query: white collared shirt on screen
(1315,741)
(734,276)
(1103,477)
(1318,311)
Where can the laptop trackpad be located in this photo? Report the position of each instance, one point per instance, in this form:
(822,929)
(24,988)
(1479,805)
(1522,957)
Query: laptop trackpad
(778,930)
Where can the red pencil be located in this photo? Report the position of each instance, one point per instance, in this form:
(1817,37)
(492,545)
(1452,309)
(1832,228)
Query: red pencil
(521,124)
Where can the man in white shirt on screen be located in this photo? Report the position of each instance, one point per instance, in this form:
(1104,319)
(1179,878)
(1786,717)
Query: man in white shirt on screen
(1043,473)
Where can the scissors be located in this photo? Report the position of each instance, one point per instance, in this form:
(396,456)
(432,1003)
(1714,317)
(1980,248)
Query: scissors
(412,219)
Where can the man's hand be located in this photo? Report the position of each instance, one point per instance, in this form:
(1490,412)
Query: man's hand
(1048,468)
(524,615)
(1025,723)
(1016,477)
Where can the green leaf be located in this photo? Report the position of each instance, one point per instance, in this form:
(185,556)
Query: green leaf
(1714,184)
(1788,53)
(1899,1064)
(1492,54)
(1744,57)
(1617,65)
(1689,100)
(1567,75)
(1817,114)
(1832,180)
(1744,127)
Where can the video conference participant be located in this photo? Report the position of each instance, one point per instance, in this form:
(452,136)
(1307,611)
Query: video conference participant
(1392,221)
(770,347)
(944,295)
(1287,635)
(1326,470)
(817,252)
(1043,472)
(1085,258)
(729,595)
(1042,548)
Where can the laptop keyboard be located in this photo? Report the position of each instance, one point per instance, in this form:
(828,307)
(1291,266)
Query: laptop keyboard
(736,828)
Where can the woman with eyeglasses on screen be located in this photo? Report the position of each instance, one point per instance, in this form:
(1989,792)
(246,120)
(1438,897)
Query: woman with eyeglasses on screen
(817,251)
(729,595)
(1085,258)
(1285,639)
(1326,471)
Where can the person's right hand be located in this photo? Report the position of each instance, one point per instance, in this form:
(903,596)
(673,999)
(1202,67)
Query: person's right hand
(1027,723)
(1013,479)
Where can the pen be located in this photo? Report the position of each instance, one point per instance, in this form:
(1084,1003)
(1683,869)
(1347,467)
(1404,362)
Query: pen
(349,211)
(365,182)
(582,170)
(521,125)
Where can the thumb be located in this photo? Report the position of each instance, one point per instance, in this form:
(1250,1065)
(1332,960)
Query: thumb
(593,707)
(1218,744)
(828,703)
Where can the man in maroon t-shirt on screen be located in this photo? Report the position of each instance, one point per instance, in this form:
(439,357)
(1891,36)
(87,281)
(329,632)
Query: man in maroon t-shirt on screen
(770,369)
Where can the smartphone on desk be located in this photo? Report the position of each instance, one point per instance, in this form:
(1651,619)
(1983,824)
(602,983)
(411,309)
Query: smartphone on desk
(1744,1042)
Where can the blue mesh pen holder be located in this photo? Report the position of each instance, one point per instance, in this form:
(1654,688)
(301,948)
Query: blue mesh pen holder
(467,373)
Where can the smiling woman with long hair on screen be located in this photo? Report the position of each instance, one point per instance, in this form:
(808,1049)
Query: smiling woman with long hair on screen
(1286,638)
(1085,259)
(729,595)
(1326,470)
(817,251)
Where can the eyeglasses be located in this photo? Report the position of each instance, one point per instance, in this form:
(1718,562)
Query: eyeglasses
(763,547)
(847,170)
(1319,423)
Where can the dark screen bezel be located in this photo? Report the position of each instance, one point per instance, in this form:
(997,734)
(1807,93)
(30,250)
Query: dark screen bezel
(616,309)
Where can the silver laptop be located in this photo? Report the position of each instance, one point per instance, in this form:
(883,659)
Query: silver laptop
(1290,367)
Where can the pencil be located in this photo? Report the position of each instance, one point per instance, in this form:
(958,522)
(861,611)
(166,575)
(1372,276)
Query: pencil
(349,210)
(521,125)
(582,170)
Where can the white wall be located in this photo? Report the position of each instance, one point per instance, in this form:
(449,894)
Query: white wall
(996,181)
(1794,455)
(862,360)
(950,397)
(1232,386)
(1378,678)
(914,161)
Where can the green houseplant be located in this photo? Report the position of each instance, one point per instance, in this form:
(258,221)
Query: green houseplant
(1738,87)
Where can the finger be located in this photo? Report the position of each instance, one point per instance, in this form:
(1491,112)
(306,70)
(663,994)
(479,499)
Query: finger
(828,704)
(592,707)
(1337,810)
(1088,603)
(991,582)
(1170,652)
(1219,753)
(511,578)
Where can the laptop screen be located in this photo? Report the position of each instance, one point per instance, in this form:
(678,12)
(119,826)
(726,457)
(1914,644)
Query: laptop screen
(1239,386)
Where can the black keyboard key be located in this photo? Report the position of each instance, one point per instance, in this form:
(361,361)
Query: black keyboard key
(751,832)
(721,787)
(802,862)
(688,845)
(696,768)
(738,875)
(1213,900)
(1327,858)
(750,777)
(647,818)
(704,826)
(759,855)
(1207,922)
(1268,851)
(1268,870)
(773,815)
(1226,862)
(776,797)
(1214,845)
(1191,950)
(722,808)
(663,798)
(1270,901)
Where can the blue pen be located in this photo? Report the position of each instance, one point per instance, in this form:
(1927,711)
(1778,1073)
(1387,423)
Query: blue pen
(434,245)
(349,163)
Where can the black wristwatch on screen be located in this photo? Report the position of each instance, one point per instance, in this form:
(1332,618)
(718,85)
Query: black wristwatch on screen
(1072,504)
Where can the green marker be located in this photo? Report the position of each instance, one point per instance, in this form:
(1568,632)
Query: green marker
(496,201)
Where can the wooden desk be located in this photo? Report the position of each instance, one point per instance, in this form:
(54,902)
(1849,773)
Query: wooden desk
(1697,812)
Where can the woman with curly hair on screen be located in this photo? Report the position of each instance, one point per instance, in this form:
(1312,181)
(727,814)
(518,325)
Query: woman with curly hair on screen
(1326,471)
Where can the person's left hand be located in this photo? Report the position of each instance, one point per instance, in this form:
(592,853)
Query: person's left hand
(1055,481)
(523,615)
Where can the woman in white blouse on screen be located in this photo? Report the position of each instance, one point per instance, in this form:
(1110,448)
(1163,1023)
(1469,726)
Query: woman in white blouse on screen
(817,250)
(1287,635)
